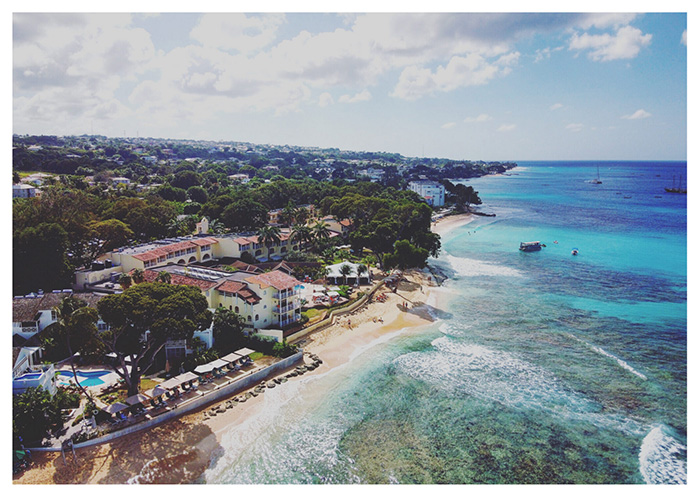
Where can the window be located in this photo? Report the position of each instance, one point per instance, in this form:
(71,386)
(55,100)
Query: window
(250,318)
(257,317)
(230,307)
(236,309)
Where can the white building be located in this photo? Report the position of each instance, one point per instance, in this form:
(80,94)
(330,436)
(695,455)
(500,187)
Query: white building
(24,191)
(433,193)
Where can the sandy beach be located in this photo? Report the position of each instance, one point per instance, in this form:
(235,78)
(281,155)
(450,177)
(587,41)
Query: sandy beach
(179,451)
(446,224)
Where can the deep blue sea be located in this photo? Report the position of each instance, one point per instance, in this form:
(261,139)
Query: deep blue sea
(541,367)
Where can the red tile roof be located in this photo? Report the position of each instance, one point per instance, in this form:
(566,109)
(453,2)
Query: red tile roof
(240,289)
(204,241)
(177,279)
(248,268)
(166,250)
(276,279)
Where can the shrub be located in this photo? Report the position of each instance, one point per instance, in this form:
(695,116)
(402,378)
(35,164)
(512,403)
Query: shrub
(283,349)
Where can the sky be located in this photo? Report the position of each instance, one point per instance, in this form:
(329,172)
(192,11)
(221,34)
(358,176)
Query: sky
(469,86)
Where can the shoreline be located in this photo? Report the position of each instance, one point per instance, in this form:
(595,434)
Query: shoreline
(446,224)
(181,450)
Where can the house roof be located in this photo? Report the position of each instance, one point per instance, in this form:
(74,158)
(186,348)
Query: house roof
(246,267)
(204,241)
(177,279)
(166,250)
(26,309)
(242,240)
(240,289)
(276,279)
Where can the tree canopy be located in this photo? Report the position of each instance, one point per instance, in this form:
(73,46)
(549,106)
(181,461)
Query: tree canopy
(143,318)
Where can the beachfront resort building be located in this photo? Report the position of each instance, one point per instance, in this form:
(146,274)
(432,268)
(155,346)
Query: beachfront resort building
(193,250)
(433,193)
(263,300)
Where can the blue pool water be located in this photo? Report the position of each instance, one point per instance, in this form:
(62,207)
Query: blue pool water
(29,376)
(542,367)
(86,378)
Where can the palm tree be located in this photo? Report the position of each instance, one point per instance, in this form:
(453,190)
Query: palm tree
(216,227)
(302,234)
(301,215)
(75,322)
(137,275)
(163,277)
(321,233)
(361,269)
(269,235)
(125,281)
(289,214)
(345,270)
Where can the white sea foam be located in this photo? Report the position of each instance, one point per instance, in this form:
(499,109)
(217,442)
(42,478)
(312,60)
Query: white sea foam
(286,441)
(377,341)
(499,376)
(661,458)
(490,374)
(472,267)
(605,353)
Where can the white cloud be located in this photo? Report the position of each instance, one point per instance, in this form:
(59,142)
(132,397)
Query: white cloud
(604,20)
(478,119)
(325,99)
(639,114)
(624,44)
(448,125)
(239,32)
(684,37)
(574,127)
(363,96)
(461,71)
(506,127)
(556,106)
(70,66)
(546,53)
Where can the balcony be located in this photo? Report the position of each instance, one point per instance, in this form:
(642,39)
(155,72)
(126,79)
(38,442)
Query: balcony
(285,294)
(283,309)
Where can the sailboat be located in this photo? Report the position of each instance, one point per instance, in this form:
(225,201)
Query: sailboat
(678,189)
(597,181)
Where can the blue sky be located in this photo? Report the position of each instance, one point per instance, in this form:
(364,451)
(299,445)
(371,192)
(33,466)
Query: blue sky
(463,86)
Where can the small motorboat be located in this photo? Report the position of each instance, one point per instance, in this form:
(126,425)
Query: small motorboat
(574,251)
(530,246)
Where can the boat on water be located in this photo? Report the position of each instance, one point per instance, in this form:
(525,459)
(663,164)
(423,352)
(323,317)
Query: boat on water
(530,246)
(597,181)
(574,251)
(677,189)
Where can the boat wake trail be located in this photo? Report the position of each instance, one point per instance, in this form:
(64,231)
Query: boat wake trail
(605,353)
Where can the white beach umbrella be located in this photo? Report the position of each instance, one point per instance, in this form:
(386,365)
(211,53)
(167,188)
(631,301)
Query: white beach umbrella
(136,399)
(116,407)
(204,368)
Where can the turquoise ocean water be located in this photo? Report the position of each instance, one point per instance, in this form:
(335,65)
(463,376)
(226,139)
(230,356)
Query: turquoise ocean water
(540,368)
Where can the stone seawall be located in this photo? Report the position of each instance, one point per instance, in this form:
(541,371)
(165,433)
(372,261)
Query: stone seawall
(196,404)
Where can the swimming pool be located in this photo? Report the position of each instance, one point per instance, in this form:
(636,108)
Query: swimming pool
(85,378)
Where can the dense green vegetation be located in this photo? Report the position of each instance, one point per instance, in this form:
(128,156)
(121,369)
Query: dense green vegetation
(81,214)
(36,412)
